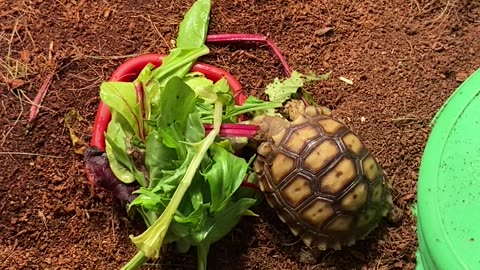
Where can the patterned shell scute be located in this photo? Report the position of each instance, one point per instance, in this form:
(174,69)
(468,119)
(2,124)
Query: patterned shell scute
(323,182)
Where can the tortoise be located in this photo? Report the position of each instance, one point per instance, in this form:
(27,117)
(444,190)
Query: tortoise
(320,178)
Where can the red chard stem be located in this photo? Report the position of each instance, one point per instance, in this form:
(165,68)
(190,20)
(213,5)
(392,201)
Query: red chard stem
(234,130)
(140,94)
(250,185)
(219,38)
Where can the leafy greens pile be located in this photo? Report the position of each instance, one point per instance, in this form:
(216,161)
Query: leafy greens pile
(188,181)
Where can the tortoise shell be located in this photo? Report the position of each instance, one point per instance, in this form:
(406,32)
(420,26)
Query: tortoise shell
(322,181)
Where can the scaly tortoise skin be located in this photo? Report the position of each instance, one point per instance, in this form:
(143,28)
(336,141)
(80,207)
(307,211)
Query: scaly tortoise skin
(322,180)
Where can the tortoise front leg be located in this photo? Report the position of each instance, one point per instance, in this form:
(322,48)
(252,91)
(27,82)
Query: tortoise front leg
(295,108)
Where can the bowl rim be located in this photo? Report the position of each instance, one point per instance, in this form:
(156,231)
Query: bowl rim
(431,255)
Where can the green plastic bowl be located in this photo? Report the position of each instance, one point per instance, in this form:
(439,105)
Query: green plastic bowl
(448,207)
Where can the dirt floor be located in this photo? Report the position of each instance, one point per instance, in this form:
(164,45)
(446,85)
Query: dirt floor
(404,57)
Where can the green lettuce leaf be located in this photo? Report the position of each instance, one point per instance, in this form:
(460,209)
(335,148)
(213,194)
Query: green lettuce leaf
(202,86)
(225,176)
(158,157)
(193,29)
(282,90)
(202,229)
(122,98)
(177,101)
(117,154)
(178,63)
(252,104)
(117,139)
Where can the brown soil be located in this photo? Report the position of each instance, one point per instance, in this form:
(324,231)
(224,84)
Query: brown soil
(405,58)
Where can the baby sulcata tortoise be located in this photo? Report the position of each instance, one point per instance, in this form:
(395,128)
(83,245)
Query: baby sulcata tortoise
(320,178)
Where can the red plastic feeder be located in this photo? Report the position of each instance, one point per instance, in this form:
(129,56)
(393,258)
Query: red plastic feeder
(128,72)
